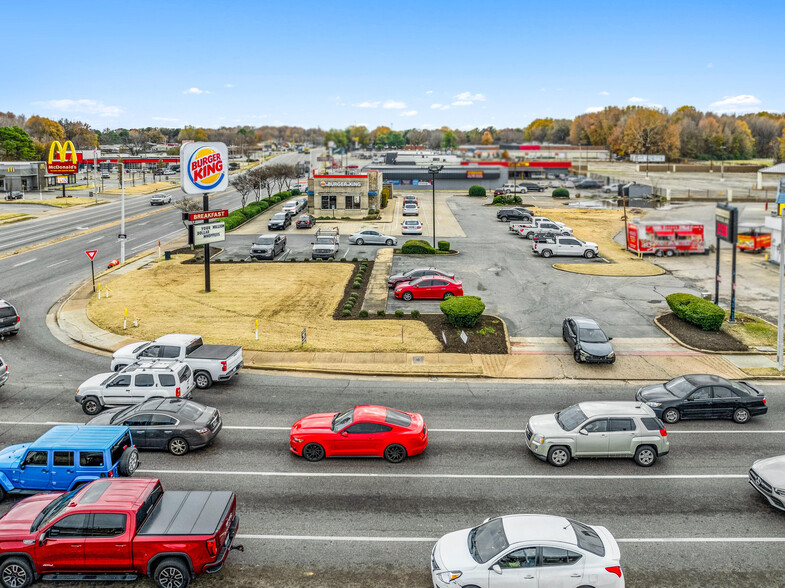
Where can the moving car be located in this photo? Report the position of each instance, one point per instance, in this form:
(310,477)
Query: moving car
(268,246)
(429,287)
(3,372)
(306,221)
(611,188)
(160,199)
(116,529)
(292,207)
(14,195)
(175,424)
(410,208)
(9,319)
(279,221)
(417,273)
(587,340)
(598,429)
(589,184)
(703,396)
(362,431)
(142,380)
(209,363)
(767,476)
(411,227)
(66,457)
(372,237)
(565,246)
(527,550)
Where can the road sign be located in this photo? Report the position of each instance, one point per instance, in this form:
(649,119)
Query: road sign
(62,165)
(91,254)
(207,215)
(209,233)
(204,168)
(726,222)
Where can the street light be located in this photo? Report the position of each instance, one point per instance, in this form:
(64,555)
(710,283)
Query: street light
(722,163)
(433,170)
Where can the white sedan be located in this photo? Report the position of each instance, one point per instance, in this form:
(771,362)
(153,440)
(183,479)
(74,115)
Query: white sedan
(410,208)
(160,199)
(529,551)
(411,227)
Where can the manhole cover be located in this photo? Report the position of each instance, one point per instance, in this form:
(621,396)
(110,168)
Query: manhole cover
(418,359)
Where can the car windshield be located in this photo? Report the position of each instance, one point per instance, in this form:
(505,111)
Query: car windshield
(571,417)
(679,387)
(265,241)
(593,336)
(342,419)
(52,509)
(279,216)
(487,540)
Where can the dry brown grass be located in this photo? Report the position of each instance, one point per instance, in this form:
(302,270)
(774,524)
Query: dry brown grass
(4,216)
(169,298)
(600,226)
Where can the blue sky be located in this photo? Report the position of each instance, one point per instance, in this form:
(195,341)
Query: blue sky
(403,64)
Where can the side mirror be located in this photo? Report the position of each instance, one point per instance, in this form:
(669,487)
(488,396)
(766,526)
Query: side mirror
(344,434)
(21,466)
(497,568)
(583,432)
(42,538)
(610,338)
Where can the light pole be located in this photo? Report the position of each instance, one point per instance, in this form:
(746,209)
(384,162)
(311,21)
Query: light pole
(434,170)
(722,163)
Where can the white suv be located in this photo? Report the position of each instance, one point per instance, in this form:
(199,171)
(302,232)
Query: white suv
(136,383)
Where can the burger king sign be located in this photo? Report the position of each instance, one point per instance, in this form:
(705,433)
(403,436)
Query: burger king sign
(204,167)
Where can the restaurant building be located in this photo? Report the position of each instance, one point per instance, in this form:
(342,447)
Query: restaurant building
(344,195)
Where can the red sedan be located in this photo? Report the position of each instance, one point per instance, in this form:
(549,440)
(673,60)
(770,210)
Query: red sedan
(438,287)
(362,431)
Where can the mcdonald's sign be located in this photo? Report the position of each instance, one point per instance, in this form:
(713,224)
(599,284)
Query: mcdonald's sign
(62,165)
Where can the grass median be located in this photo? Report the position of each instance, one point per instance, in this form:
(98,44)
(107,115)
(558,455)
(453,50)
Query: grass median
(599,226)
(142,188)
(168,297)
(57,202)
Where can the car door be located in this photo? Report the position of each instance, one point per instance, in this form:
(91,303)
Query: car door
(560,568)
(698,404)
(161,429)
(518,569)
(595,440)
(118,390)
(569,246)
(438,288)
(150,351)
(36,472)
(139,423)
(375,237)
(144,387)
(570,333)
(64,546)
(62,470)
(108,543)
(423,289)
(356,439)
(621,432)
(724,402)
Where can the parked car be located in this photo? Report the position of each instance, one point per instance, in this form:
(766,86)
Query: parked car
(326,244)
(268,246)
(14,195)
(140,381)
(3,372)
(169,172)
(767,476)
(527,550)
(302,203)
(209,363)
(568,184)
(429,287)
(10,320)
(513,188)
(411,227)
(410,199)
(532,186)
(589,184)
(362,431)
(306,221)
(587,340)
(291,208)
(372,237)
(160,199)
(64,458)
(541,225)
(598,429)
(410,208)
(499,192)
(117,529)
(611,188)
(568,246)
(554,184)
(279,221)
(412,274)
(511,214)
(174,424)
(702,396)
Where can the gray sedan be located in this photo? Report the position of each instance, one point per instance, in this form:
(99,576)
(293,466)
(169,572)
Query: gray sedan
(371,237)
(587,340)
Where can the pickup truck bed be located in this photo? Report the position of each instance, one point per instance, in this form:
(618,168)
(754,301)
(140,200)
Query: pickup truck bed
(214,352)
(188,513)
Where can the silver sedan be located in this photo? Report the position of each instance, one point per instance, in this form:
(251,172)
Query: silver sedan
(371,237)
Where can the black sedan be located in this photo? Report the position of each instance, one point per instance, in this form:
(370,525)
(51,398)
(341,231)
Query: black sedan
(306,221)
(174,424)
(412,274)
(701,396)
(587,340)
(280,220)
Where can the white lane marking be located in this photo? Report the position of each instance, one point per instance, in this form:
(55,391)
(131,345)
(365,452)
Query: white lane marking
(432,539)
(96,239)
(167,224)
(58,263)
(25,262)
(703,540)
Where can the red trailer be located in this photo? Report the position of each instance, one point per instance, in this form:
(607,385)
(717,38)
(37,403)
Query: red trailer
(665,238)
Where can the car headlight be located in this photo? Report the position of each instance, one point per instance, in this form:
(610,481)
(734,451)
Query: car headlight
(539,439)
(449,576)
(655,404)
(297,440)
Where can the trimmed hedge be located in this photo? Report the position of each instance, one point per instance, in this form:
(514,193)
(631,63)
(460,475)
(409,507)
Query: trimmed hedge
(477,191)
(503,199)
(463,311)
(417,246)
(443,245)
(561,193)
(697,311)
(239,216)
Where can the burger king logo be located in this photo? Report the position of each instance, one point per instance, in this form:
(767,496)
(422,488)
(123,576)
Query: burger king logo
(206,168)
(323,183)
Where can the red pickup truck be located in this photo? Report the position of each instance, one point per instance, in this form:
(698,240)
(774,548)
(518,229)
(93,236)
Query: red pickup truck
(117,529)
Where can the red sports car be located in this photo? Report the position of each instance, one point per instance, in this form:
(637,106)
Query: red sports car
(439,287)
(362,431)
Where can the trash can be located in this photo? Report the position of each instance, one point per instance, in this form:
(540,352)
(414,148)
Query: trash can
(167,255)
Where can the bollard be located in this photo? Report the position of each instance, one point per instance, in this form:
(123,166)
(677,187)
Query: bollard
(99,291)
(125,318)
(167,255)
(257,329)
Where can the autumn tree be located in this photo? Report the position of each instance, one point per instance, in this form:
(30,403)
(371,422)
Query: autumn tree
(44,130)
(360,135)
(487,138)
(189,133)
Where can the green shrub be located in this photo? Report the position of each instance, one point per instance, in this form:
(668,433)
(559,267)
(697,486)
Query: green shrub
(363,314)
(417,246)
(463,311)
(697,311)
(385,197)
(343,259)
(477,191)
(346,313)
(354,259)
(354,295)
(319,259)
(415,314)
(399,313)
(380,312)
(296,192)
(506,199)
(283,195)
(443,245)
(561,193)
(357,285)
(292,259)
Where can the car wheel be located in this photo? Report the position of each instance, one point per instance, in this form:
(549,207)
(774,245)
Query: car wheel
(658,253)
(388,242)
(546,253)
(120,367)
(395,453)
(172,573)
(577,357)
(645,456)
(741,415)
(558,456)
(91,406)
(15,572)
(448,295)
(407,296)
(313,452)
(529,235)
(588,254)
(670,253)
(359,242)
(503,219)
(129,462)
(178,446)
(203,380)
(671,416)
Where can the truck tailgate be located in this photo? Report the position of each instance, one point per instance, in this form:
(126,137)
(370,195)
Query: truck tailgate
(221,352)
(188,513)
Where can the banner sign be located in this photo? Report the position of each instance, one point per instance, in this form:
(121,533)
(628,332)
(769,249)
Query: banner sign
(207,215)
(204,167)
(338,184)
(474,174)
(209,233)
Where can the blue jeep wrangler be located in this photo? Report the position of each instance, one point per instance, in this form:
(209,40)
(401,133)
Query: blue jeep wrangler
(66,457)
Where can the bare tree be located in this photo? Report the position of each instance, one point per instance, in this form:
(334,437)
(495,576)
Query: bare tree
(243,183)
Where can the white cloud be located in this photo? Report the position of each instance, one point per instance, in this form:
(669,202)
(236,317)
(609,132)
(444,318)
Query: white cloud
(469,97)
(740,103)
(82,106)
(438,106)
(367,104)
(429,92)
(409,113)
(637,100)
(195,91)
(605,93)
(228,86)
(394,104)
(462,103)
(165,119)
(595,109)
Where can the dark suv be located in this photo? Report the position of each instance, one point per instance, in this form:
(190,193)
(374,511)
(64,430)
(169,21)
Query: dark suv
(532,187)
(9,319)
(589,184)
(508,214)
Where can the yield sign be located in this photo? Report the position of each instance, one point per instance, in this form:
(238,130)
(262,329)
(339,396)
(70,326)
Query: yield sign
(91,254)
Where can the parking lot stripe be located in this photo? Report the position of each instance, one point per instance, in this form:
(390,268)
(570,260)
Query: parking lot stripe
(433,539)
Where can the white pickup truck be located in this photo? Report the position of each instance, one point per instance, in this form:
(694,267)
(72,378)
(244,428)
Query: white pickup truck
(565,246)
(209,363)
(538,224)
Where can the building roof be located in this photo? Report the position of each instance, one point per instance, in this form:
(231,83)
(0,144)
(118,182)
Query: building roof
(778,168)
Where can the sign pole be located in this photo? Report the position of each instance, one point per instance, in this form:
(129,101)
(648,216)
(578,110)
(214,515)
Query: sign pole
(733,287)
(717,276)
(781,310)
(92,271)
(122,213)
(206,207)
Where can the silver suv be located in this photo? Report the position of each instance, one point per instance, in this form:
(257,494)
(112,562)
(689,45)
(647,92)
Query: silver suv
(598,429)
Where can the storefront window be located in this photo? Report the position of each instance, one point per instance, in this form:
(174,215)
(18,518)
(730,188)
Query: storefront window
(329,202)
(353,202)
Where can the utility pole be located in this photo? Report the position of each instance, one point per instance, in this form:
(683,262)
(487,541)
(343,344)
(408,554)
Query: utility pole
(206,207)
(122,235)
(781,310)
